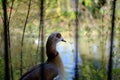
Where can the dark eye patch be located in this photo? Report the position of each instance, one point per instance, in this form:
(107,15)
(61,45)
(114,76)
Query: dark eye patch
(58,35)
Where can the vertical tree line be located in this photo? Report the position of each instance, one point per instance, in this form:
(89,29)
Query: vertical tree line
(5,23)
(110,64)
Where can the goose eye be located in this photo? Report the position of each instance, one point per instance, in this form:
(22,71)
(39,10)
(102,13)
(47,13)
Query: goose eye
(58,35)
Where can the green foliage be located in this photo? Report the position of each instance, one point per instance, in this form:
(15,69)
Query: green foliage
(69,15)
(88,3)
(1,68)
(0,7)
(0,2)
(90,72)
(116,73)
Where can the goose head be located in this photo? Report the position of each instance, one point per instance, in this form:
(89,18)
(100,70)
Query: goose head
(53,39)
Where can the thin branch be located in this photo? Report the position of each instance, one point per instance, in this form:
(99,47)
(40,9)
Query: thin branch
(11,67)
(42,36)
(76,41)
(21,54)
(111,41)
(11,8)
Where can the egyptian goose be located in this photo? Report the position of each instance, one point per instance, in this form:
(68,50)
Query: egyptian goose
(52,69)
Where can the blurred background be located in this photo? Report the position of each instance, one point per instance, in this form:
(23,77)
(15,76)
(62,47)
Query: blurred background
(94,23)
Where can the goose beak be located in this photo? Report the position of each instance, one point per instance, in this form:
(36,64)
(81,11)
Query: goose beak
(63,40)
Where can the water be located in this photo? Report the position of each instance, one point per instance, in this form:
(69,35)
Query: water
(67,53)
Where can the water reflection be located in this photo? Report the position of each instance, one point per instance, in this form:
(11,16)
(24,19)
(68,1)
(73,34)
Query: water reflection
(67,53)
(97,54)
